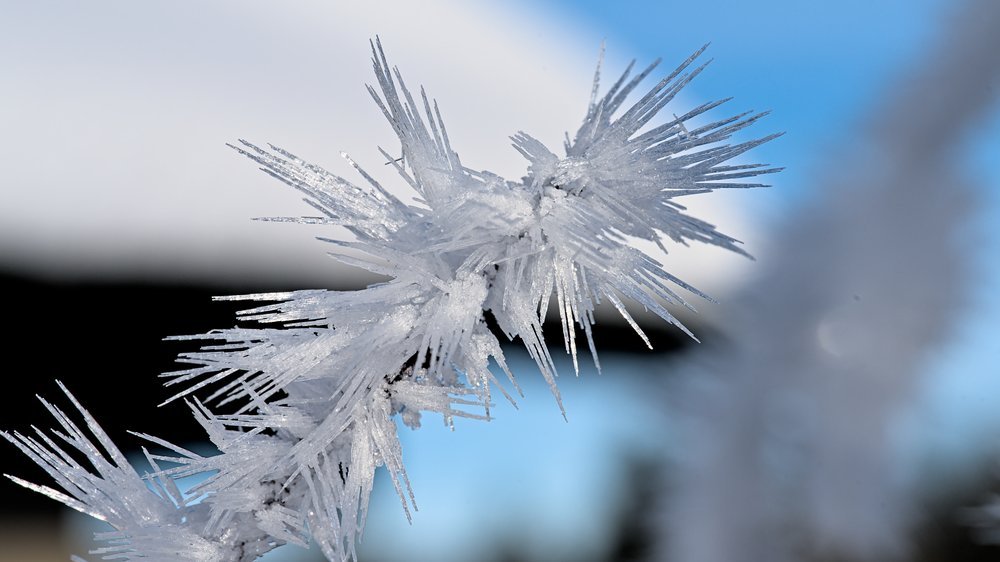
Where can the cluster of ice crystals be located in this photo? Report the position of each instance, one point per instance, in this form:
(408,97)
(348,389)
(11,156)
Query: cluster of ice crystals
(310,380)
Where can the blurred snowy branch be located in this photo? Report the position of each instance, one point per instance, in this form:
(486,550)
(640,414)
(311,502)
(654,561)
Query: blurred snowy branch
(300,397)
(790,442)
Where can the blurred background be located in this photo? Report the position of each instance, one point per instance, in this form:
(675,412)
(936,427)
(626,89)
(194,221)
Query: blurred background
(844,403)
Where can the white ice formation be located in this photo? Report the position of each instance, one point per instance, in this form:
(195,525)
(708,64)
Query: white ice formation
(311,380)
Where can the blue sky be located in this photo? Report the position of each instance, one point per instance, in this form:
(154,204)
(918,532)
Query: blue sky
(817,65)
(822,68)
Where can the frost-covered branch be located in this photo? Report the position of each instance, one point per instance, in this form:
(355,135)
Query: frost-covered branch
(300,397)
(791,448)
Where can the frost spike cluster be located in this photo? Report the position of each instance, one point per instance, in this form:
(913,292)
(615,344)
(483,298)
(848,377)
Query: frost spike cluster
(300,397)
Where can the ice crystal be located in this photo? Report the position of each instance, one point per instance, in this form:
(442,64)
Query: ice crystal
(311,386)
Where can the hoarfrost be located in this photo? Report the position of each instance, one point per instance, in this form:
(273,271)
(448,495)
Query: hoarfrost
(311,390)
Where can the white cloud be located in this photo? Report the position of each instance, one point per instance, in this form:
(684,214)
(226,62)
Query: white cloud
(116,115)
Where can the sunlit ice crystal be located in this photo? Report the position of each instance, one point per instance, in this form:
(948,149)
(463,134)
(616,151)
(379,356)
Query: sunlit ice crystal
(300,396)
